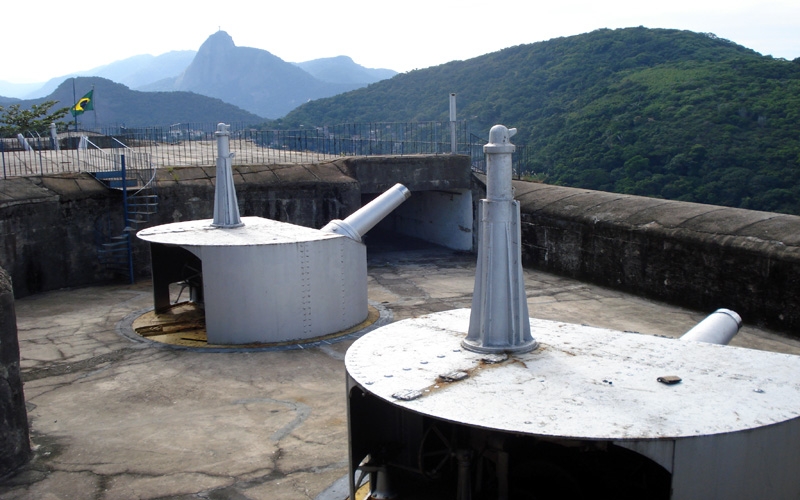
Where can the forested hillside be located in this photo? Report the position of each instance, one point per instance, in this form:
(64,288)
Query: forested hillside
(654,112)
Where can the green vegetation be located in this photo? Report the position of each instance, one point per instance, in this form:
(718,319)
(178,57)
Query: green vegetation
(14,120)
(661,113)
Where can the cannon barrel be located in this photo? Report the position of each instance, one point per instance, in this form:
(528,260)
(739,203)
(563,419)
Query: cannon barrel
(717,328)
(365,218)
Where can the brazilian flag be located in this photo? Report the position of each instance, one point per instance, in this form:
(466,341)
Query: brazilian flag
(85,103)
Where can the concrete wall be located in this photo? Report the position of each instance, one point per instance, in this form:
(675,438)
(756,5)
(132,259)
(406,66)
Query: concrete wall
(307,195)
(418,173)
(50,226)
(441,217)
(440,207)
(74,212)
(699,256)
(14,442)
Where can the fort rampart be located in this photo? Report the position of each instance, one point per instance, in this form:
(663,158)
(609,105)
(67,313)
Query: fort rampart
(699,256)
(695,255)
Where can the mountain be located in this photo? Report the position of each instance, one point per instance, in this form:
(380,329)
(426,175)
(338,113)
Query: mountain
(133,72)
(115,103)
(654,112)
(5,101)
(17,90)
(147,69)
(252,79)
(343,69)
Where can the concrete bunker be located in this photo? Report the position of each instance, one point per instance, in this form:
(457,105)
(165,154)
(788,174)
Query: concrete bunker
(441,210)
(440,217)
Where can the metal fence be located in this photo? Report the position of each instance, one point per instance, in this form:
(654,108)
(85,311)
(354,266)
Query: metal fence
(75,154)
(520,160)
(188,144)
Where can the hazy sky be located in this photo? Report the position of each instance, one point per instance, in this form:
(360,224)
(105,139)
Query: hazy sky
(51,38)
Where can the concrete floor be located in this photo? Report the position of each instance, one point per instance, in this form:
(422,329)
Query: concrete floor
(115,419)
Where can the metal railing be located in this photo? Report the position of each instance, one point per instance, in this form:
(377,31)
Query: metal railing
(187,144)
(191,144)
(76,153)
(520,159)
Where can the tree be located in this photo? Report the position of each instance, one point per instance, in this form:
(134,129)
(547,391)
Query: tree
(15,121)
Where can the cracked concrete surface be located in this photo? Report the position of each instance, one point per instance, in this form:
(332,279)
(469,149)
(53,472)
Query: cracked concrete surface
(116,419)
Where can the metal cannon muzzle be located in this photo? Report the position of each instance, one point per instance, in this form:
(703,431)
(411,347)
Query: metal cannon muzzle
(717,328)
(356,225)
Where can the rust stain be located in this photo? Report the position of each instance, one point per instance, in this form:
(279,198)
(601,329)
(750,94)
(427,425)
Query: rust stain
(443,383)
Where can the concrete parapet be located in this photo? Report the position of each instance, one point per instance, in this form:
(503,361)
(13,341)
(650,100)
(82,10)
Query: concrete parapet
(50,226)
(300,194)
(699,256)
(376,174)
(15,447)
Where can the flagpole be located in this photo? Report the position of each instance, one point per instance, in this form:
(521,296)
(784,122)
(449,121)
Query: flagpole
(94,110)
(74,99)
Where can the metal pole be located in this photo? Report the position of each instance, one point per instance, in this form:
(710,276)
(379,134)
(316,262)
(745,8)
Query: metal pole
(453,139)
(94,108)
(226,207)
(54,137)
(499,319)
(74,101)
(128,230)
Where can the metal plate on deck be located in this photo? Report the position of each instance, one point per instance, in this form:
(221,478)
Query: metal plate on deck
(582,382)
